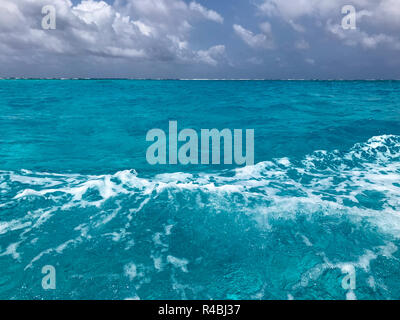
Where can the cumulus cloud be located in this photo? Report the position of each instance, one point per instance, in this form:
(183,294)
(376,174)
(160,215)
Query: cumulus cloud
(375,15)
(290,10)
(358,37)
(212,55)
(191,38)
(262,40)
(154,30)
(208,14)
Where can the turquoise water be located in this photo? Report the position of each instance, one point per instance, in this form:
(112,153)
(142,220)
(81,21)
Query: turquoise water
(77,193)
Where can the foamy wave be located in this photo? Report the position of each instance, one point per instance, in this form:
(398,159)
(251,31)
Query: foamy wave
(343,179)
(361,185)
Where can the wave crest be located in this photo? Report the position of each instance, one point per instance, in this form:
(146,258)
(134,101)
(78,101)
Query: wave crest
(48,214)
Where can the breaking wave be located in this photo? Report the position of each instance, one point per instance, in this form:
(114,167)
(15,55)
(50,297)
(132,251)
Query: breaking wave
(279,229)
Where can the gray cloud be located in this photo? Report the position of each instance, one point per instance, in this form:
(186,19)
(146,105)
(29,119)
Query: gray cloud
(260,40)
(372,15)
(156,30)
(200,39)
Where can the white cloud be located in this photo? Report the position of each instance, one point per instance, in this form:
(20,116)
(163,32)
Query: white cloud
(157,37)
(208,14)
(358,37)
(381,15)
(266,28)
(99,13)
(123,53)
(155,30)
(296,26)
(261,40)
(211,55)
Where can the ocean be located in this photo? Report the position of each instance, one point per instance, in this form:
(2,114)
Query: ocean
(316,217)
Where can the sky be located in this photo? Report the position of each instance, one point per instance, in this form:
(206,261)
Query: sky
(200,39)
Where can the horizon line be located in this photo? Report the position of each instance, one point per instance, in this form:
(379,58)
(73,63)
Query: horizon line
(184,79)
